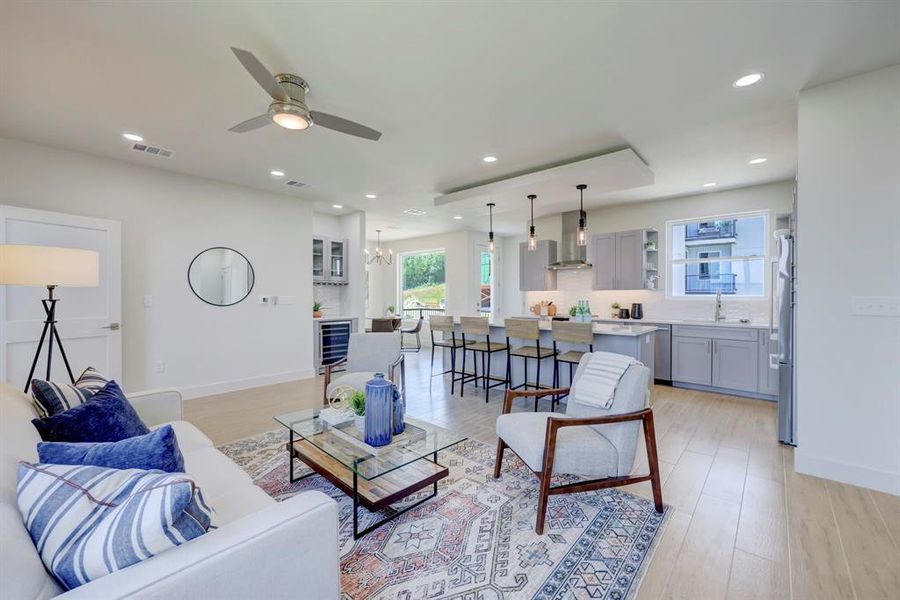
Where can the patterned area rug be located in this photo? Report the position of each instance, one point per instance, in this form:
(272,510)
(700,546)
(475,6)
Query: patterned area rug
(476,539)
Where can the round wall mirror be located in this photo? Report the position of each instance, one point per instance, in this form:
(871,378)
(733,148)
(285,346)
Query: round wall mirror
(221,276)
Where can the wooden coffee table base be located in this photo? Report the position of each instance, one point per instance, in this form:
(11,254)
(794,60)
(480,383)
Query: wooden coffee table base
(374,494)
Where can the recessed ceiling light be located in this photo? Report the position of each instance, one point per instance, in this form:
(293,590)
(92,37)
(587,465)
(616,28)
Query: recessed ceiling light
(457,217)
(489,159)
(371,196)
(710,184)
(337,206)
(276,173)
(758,161)
(132,137)
(748,79)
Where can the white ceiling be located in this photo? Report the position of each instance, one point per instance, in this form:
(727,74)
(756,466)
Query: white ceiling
(535,84)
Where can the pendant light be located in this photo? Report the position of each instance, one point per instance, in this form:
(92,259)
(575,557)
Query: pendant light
(379,256)
(581,237)
(532,238)
(491,206)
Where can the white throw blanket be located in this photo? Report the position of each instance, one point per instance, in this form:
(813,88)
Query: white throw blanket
(597,384)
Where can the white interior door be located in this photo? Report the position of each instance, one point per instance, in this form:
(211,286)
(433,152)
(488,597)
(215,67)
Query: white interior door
(88,319)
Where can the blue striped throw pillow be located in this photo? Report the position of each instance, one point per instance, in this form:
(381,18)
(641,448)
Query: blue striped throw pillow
(50,398)
(87,522)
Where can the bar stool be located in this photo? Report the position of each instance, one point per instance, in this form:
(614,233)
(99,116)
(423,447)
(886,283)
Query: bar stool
(570,333)
(444,324)
(480,326)
(529,330)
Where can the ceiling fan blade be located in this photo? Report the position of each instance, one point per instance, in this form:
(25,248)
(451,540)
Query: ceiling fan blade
(251,124)
(261,74)
(344,125)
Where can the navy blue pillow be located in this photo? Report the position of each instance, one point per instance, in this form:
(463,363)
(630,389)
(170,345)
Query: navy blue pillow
(155,450)
(106,417)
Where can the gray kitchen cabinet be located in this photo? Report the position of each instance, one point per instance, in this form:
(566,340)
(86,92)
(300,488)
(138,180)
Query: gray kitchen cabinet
(318,252)
(329,260)
(662,351)
(630,260)
(692,360)
(534,276)
(618,260)
(767,376)
(734,364)
(603,258)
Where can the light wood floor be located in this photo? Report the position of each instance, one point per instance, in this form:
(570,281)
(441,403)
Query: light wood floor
(745,525)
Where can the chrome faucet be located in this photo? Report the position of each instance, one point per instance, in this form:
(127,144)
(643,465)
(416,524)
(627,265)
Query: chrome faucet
(720,308)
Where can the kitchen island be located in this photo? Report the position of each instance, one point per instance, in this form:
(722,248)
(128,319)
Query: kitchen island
(632,340)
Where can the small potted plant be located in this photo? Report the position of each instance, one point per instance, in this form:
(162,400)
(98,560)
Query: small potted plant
(357,403)
(573,310)
(615,306)
(390,310)
(317,310)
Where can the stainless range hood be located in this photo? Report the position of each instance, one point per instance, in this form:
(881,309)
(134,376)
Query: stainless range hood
(572,256)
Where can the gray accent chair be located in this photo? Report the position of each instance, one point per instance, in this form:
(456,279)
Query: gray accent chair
(367,354)
(592,442)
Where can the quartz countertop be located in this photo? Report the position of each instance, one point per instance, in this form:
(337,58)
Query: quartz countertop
(698,322)
(333,318)
(627,330)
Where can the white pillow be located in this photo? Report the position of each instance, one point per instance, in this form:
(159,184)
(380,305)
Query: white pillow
(87,522)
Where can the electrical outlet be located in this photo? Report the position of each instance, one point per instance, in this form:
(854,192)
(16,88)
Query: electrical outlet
(159,366)
(875,306)
(148,301)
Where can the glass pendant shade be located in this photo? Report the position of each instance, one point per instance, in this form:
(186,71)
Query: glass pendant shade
(581,236)
(532,238)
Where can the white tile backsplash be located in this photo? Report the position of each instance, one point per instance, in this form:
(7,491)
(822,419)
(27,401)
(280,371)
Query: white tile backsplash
(331,297)
(576,285)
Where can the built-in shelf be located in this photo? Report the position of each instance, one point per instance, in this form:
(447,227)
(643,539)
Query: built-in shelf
(651,268)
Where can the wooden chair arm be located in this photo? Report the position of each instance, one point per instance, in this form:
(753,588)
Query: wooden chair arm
(513,394)
(557,422)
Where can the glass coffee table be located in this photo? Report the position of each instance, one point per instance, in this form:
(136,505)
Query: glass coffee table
(373,477)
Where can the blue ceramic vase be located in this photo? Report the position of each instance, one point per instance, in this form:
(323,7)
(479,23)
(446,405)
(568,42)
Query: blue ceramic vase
(399,412)
(379,411)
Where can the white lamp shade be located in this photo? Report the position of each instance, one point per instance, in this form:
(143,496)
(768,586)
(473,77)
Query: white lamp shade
(47,265)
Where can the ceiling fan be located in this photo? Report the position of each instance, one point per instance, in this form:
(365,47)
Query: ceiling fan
(289,106)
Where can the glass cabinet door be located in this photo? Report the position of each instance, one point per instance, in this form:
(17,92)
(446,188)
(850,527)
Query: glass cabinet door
(337,259)
(318,258)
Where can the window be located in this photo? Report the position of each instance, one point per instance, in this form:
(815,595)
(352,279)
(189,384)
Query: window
(726,254)
(486,283)
(422,283)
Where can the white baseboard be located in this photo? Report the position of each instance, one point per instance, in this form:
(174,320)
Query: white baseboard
(875,479)
(235,385)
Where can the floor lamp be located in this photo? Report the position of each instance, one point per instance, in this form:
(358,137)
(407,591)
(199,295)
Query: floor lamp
(48,267)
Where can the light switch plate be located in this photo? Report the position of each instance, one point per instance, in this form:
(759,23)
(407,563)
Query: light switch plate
(148,300)
(875,306)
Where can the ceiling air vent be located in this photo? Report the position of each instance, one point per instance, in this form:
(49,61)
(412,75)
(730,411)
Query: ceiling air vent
(295,183)
(154,150)
(414,212)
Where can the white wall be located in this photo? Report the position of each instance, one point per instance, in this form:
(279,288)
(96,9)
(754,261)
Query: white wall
(848,367)
(166,220)
(575,285)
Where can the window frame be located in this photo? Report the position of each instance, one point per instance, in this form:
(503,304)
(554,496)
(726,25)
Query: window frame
(764,258)
(400,257)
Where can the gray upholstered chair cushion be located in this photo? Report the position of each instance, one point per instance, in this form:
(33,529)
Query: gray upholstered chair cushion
(372,352)
(579,450)
(631,396)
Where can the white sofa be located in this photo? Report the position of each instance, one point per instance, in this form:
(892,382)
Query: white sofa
(262,549)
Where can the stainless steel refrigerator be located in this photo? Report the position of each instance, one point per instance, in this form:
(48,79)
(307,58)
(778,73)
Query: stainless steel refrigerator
(784,298)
